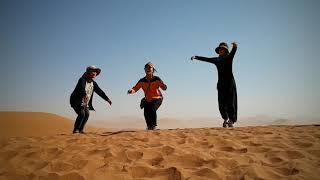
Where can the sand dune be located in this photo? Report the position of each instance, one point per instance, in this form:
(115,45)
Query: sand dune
(269,152)
(33,124)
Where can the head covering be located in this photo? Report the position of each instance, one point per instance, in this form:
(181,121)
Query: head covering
(93,69)
(222,45)
(150,65)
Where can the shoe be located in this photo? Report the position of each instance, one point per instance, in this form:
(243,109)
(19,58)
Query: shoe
(225,124)
(230,124)
(151,128)
(75,131)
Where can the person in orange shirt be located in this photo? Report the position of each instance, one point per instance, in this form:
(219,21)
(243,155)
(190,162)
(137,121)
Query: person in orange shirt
(151,85)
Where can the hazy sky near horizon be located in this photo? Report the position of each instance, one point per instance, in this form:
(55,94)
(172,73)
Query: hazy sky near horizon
(45,47)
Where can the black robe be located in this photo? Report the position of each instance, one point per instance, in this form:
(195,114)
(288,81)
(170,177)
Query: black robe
(226,86)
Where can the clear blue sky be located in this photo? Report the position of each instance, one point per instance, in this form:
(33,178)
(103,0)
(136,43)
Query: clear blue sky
(46,45)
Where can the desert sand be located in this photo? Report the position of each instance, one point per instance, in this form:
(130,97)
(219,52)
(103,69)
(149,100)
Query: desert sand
(16,124)
(268,152)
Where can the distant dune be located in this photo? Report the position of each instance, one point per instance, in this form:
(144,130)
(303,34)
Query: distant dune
(33,124)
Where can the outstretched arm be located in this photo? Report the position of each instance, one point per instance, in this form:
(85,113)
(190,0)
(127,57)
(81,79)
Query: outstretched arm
(135,88)
(101,93)
(205,59)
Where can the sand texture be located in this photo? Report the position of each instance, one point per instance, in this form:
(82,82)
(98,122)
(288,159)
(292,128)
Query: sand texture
(269,152)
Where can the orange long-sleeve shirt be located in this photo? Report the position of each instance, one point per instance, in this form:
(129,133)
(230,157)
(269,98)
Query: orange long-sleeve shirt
(150,88)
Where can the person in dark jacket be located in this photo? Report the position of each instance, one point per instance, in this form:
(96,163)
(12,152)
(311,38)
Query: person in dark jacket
(81,97)
(227,92)
(151,85)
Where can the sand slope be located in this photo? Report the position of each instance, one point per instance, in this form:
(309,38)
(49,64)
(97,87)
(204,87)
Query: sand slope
(33,124)
(270,152)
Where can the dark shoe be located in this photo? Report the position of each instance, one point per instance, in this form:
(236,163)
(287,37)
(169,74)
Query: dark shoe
(225,124)
(151,128)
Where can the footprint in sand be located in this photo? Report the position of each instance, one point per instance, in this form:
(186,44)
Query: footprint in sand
(316,136)
(167,150)
(227,163)
(289,155)
(259,149)
(7,155)
(315,153)
(287,171)
(181,141)
(207,174)
(190,160)
(190,140)
(99,152)
(212,163)
(59,166)
(33,165)
(141,172)
(141,139)
(232,149)
(251,143)
(274,160)
(134,155)
(55,176)
(155,143)
(302,144)
(51,153)
(171,173)
(120,157)
(293,154)
(155,161)
(79,163)
(181,135)
(33,154)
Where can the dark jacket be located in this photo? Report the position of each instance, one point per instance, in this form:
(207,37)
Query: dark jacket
(224,66)
(79,92)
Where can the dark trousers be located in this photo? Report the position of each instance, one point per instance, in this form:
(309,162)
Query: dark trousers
(228,106)
(150,112)
(83,116)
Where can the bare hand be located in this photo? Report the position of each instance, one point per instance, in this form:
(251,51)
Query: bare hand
(130,91)
(164,86)
(234,44)
(193,57)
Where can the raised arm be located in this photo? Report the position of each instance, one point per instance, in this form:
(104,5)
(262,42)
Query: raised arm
(234,49)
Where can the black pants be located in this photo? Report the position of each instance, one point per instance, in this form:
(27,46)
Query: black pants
(228,106)
(83,116)
(150,112)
